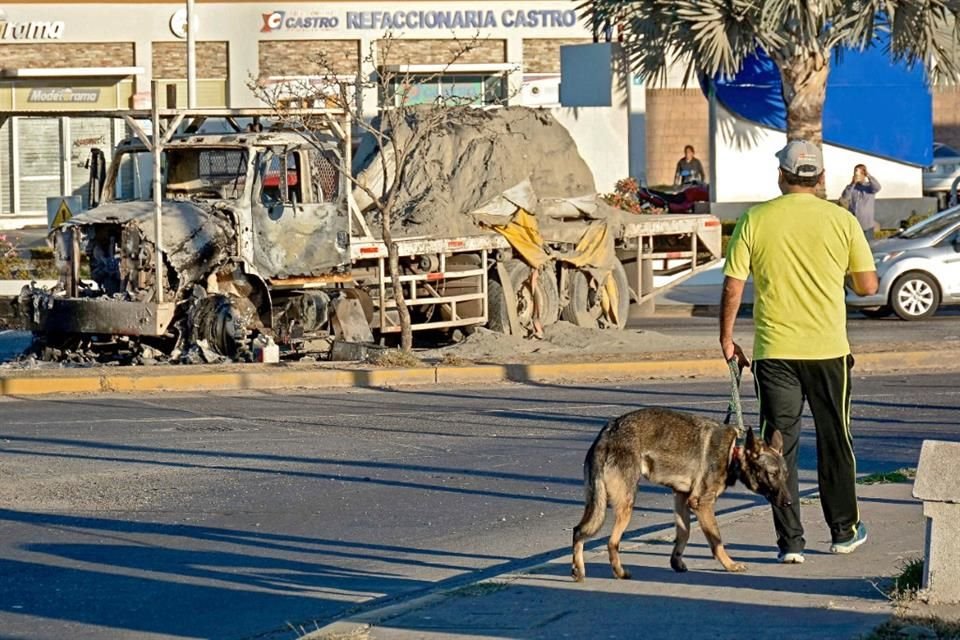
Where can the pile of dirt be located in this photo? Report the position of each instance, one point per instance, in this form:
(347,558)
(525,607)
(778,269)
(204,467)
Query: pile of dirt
(470,159)
(565,339)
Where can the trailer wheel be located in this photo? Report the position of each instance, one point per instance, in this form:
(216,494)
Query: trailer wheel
(585,308)
(541,294)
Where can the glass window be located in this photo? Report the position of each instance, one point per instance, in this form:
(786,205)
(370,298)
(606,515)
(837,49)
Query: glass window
(454,89)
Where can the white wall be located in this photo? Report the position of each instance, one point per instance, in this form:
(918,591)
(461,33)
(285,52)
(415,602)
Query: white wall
(601,137)
(596,109)
(747,167)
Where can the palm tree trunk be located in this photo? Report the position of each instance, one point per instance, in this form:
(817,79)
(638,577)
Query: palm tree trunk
(804,92)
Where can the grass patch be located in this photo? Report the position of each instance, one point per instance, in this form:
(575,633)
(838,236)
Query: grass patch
(479,589)
(913,627)
(395,359)
(890,477)
(907,585)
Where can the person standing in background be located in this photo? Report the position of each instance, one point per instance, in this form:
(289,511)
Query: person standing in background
(860,196)
(689,169)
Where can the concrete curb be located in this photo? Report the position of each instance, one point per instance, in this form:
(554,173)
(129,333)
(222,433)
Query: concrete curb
(255,377)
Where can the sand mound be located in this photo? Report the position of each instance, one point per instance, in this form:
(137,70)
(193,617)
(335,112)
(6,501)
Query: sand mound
(566,339)
(472,159)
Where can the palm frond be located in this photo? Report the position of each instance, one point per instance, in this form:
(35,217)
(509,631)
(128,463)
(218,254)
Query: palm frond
(716,36)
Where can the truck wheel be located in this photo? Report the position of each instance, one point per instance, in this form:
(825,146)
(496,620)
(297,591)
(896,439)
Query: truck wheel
(585,308)
(543,294)
(915,296)
(226,322)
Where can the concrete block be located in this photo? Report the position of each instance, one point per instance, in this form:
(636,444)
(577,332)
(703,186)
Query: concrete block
(938,486)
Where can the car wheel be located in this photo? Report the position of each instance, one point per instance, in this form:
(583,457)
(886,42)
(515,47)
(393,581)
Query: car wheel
(915,296)
(877,312)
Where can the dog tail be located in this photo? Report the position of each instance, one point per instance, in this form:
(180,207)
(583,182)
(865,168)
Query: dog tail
(595,507)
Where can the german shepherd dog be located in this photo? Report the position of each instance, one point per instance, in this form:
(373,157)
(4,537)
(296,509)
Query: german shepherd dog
(696,457)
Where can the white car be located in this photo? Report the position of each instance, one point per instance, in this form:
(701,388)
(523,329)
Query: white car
(938,178)
(919,269)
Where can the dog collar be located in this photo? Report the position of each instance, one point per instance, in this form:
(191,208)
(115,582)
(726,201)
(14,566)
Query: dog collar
(735,454)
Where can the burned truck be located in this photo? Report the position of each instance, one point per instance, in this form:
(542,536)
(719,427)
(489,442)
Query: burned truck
(258,239)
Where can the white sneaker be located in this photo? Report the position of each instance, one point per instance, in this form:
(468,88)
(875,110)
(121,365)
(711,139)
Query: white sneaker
(790,558)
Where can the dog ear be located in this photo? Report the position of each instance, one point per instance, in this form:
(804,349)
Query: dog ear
(751,444)
(776,442)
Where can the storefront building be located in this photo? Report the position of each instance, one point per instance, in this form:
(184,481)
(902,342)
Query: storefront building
(76,56)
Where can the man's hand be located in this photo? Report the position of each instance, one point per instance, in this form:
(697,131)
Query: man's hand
(729,305)
(732,350)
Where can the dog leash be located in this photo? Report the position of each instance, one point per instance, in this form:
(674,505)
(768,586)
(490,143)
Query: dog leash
(734,407)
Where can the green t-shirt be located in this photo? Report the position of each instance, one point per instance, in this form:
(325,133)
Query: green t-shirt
(798,248)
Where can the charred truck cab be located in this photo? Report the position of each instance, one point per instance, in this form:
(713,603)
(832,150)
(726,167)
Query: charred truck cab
(240,211)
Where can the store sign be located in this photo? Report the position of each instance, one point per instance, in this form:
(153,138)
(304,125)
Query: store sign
(61,95)
(415,20)
(284,21)
(30,30)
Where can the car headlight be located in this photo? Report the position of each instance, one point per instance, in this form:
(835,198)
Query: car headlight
(887,257)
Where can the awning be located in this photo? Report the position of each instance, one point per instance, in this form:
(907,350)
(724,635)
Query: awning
(476,67)
(70,72)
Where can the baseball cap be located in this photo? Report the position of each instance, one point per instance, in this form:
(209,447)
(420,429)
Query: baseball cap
(801,158)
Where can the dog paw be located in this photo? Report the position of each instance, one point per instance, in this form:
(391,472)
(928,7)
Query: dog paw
(576,575)
(622,575)
(693,502)
(737,567)
(678,565)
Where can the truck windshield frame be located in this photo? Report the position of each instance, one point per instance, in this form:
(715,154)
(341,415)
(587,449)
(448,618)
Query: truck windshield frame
(196,172)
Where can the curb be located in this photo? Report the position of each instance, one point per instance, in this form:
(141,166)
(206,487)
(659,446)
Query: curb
(256,377)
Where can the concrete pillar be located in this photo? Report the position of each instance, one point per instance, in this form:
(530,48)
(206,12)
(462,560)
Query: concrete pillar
(637,92)
(515,76)
(938,485)
(369,101)
(243,62)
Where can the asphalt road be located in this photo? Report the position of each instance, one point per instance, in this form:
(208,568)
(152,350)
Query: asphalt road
(230,516)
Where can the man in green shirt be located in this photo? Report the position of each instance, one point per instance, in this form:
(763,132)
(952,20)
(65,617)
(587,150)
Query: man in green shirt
(799,248)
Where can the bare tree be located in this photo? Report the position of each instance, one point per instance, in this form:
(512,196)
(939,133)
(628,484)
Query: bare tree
(403,121)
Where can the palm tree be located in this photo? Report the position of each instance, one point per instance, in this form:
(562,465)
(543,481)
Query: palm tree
(799,36)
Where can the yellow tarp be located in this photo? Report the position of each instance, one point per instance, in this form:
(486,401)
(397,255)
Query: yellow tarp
(594,254)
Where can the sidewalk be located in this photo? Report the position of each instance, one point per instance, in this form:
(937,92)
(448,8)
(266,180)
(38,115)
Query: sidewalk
(827,597)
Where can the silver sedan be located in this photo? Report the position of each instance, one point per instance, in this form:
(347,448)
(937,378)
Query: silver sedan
(919,269)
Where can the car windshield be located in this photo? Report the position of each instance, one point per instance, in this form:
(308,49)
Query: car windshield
(932,226)
(218,173)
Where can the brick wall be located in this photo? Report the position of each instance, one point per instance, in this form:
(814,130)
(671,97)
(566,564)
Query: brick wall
(170,60)
(675,118)
(441,51)
(53,55)
(543,55)
(302,57)
(946,115)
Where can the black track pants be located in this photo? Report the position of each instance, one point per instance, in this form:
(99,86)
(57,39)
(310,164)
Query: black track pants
(782,386)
